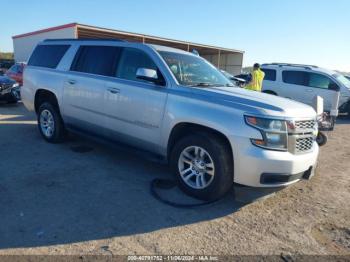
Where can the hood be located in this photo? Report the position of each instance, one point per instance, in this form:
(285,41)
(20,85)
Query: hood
(258,103)
(6,80)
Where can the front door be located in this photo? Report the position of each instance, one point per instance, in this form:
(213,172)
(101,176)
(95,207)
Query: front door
(134,108)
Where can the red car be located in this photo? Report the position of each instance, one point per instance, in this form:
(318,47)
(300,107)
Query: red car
(16,72)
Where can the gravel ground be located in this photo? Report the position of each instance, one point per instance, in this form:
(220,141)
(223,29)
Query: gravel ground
(81,197)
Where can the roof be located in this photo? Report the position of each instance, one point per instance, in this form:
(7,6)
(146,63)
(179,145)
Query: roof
(93,30)
(46,30)
(300,66)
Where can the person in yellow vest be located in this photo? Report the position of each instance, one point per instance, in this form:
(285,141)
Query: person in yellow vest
(257,79)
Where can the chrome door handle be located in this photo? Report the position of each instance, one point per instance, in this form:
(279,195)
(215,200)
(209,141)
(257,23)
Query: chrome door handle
(114,90)
(309,90)
(72,82)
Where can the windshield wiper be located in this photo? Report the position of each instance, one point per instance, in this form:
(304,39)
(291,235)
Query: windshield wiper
(202,84)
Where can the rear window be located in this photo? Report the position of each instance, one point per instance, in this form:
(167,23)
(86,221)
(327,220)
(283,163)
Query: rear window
(295,77)
(48,55)
(270,74)
(99,60)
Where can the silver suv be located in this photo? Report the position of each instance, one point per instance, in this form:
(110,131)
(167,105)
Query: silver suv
(174,104)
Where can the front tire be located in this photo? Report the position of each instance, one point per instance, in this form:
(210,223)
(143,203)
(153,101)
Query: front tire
(203,166)
(50,123)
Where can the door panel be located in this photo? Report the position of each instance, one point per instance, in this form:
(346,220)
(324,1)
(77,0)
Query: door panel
(83,100)
(134,112)
(134,107)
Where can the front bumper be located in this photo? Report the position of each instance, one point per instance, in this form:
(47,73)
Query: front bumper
(257,167)
(10,93)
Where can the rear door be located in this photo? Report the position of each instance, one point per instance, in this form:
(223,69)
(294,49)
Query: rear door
(85,85)
(294,85)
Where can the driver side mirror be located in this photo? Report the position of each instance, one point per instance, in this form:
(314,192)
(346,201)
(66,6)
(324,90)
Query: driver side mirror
(333,86)
(149,75)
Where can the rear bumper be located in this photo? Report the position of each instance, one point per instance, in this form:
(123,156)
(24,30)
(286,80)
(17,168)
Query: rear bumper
(259,167)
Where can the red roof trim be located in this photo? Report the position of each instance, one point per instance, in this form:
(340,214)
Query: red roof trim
(46,30)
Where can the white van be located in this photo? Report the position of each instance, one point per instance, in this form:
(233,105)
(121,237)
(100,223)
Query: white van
(303,82)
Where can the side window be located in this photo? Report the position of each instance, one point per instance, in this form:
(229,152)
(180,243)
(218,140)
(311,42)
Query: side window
(99,60)
(319,81)
(132,59)
(48,55)
(294,77)
(270,74)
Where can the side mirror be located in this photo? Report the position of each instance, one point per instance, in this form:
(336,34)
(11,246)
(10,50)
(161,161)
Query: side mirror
(149,75)
(333,86)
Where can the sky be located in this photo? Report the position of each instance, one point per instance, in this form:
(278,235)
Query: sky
(313,32)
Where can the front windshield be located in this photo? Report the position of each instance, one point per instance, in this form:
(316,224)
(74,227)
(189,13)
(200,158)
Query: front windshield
(191,70)
(343,80)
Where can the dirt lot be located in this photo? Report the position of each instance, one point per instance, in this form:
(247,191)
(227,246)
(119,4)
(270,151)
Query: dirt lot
(84,198)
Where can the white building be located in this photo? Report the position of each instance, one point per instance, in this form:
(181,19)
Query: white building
(230,60)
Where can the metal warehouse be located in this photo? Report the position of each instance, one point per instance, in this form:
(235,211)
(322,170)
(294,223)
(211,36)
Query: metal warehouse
(224,58)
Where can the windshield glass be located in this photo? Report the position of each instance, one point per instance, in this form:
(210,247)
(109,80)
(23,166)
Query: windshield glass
(191,70)
(343,80)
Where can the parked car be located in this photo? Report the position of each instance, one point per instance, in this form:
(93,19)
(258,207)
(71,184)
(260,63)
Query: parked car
(9,90)
(174,104)
(16,72)
(304,82)
(5,64)
(235,80)
(246,77)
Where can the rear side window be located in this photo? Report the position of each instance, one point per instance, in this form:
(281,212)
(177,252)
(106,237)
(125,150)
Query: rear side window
(131,60)
(295,77)
(48,55)
(99,60)
(270,74)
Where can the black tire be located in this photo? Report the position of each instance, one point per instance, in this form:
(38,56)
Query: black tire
(221,155)
(321,139)
(59,132)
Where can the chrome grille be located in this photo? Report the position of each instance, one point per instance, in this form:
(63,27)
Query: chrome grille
(303,144)
(305,124)
(301,136)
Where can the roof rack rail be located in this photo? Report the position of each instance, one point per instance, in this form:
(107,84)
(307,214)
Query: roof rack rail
(85,39)
(290,64)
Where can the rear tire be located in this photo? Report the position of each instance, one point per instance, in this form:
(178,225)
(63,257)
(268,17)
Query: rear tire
(212,168)
(50,123)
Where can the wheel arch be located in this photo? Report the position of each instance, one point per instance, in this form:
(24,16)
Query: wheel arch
(44,95)
(270,92)
(181,129)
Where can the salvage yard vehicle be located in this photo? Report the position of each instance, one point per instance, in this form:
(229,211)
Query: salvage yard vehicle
(16,72)
(9,90)
(304,82)
(235,80)
(174,104)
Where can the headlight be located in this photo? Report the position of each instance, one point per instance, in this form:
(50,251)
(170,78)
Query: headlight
(274,133)
(15,85)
